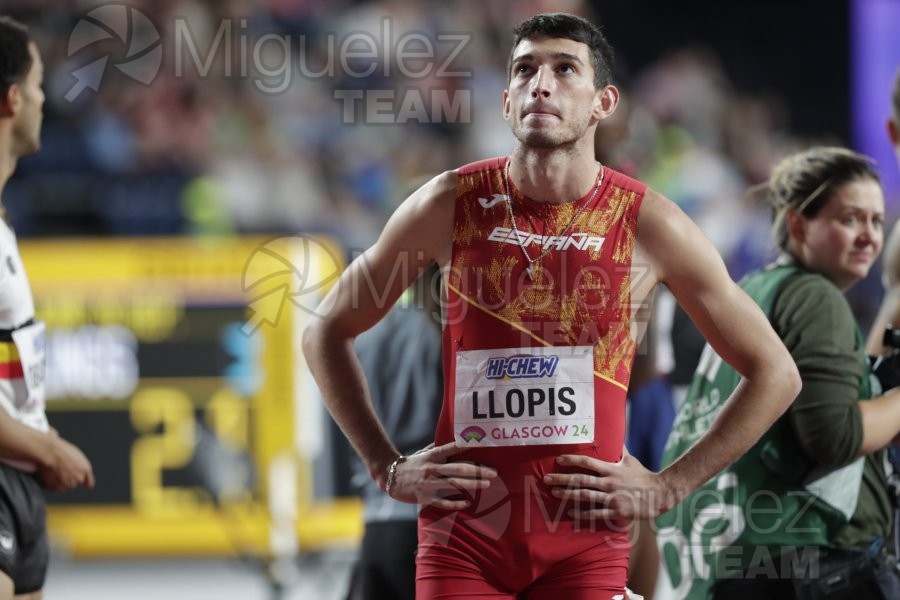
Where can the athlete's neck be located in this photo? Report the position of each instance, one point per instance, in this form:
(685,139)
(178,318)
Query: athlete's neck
(553,175)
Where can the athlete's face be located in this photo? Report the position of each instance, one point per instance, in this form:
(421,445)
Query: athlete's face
(29,104)
(551,100)
(843,240)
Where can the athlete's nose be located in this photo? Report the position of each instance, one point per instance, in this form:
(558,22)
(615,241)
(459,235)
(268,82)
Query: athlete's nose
(542,83)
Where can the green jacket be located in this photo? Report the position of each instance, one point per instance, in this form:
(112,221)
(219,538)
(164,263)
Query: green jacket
(801,485)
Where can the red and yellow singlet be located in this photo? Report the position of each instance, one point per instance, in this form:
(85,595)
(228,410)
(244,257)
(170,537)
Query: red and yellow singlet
(534,368)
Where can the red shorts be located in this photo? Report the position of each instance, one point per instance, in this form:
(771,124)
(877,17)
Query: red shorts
(521,545)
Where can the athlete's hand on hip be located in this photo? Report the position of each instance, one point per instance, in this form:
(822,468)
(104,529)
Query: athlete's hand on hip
(612,490)
(68,468)
(427,478)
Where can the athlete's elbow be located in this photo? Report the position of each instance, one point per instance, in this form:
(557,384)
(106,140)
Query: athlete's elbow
(308,341)
(319,336)
(312,337)
(788,381)
(776,375)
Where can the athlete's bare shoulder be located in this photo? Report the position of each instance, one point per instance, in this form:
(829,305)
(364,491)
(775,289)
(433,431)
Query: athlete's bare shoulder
(423,223)
(660,223)
(674,247)
(437,195)
(656,215)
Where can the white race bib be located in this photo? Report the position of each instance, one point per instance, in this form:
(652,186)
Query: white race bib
(524,396)
(30,343)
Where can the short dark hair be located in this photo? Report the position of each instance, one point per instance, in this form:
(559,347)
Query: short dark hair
(15,58)
(569,27)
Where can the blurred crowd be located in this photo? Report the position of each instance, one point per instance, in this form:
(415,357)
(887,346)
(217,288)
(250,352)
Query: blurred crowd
(241,132)
(258,118)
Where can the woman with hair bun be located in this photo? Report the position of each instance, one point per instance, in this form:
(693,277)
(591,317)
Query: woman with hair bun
(807,512)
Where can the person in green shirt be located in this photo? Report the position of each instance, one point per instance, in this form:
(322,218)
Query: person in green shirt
(806,512)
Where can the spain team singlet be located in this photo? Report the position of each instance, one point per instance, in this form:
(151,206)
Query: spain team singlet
(534,367)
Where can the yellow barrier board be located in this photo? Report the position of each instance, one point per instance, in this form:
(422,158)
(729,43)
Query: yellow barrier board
(174,363)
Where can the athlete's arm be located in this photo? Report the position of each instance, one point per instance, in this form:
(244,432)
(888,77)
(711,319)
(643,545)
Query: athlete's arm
(62,465)
(681,257)
(889,312)
(419,232)
(737,330)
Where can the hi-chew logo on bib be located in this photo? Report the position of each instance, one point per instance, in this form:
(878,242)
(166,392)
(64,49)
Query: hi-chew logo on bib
(520,366)
(524,396)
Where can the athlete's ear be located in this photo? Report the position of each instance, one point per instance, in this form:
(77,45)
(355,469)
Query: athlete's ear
(11,101)
(606,99)
(506,105)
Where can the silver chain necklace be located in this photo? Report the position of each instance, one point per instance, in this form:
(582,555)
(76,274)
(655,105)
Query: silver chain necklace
(531,261)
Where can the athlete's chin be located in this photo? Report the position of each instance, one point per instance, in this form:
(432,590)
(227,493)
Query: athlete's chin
(541,138)
(28,147)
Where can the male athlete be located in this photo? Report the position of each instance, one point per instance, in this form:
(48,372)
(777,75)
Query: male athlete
(546,256)
(31,453)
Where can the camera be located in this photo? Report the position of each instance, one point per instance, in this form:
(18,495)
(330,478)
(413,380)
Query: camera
(886,368)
